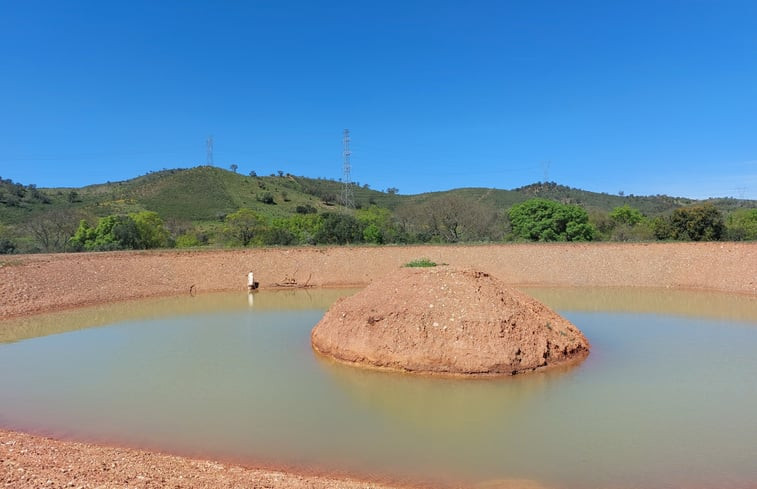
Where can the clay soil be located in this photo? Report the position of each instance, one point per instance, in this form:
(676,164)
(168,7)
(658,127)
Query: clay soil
(447,321)
(42,283)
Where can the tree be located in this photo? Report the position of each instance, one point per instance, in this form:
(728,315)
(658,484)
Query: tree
(243,225)
(52,230)
(697,223)
(449,219)
(7,246)
(115,232)
(303,227)
(741,225)
(234,167)
(392,190)
(545,220)
(378,225)
(150,229)
(626,215)
(339,229)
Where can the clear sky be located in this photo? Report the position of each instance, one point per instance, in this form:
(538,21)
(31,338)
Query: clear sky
(643,97)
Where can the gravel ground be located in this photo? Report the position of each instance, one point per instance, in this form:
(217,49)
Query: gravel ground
(41,283)
(37,283)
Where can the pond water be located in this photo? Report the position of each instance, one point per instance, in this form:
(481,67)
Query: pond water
(667,397)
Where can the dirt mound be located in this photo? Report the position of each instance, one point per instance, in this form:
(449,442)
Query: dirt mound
(446,321)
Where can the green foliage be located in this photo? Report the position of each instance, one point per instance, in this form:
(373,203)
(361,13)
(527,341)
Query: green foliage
(243,225)
(339,229)
(150,229)
(113,232)
(695,223)
(188,240)
(420,263)
(279,236)
(266,198)
(378,225)
(629,224)
(626,215)
(545,220)
(7,245)
(303,227)
(741,225)
(193,203)
(137,231)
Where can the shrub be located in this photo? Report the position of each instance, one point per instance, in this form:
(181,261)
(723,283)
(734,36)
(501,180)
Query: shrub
(420,263)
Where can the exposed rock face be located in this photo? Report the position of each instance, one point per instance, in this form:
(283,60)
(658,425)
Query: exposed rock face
(446,321)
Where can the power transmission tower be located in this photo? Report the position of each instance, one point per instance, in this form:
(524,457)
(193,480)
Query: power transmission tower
(545,167)
(348,196)
(209,150)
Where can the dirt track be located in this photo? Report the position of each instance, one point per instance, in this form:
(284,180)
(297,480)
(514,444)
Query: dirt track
(38,283)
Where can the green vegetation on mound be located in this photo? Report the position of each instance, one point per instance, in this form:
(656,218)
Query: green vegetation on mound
(210,206)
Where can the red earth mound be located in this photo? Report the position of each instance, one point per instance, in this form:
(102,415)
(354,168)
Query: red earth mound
(448,321)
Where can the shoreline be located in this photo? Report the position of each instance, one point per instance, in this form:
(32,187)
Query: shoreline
(32,284)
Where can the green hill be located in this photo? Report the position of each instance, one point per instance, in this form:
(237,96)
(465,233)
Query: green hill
(203,196)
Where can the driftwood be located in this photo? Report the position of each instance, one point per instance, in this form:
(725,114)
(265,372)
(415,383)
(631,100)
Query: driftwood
(291,282)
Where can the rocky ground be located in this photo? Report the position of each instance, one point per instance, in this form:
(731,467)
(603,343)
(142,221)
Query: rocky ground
(38,283)
(28,461)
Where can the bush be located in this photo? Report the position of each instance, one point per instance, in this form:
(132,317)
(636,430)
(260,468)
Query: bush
(188,240)
(267,198)
(279,236)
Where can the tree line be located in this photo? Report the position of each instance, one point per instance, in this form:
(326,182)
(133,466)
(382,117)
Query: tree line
(445,219)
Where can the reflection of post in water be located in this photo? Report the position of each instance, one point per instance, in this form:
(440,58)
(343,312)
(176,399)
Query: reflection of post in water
(250,299)
(439,405)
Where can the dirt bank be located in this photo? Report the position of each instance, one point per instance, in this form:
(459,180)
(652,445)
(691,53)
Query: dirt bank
(36,283)
(28,461)
(446,321)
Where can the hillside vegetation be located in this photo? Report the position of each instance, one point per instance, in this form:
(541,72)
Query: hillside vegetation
(210,206)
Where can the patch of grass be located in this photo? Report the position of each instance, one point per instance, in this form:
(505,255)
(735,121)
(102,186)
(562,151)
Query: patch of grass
(10,263)
(420,263)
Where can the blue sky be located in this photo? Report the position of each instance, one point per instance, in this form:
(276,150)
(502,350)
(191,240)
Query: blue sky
(644,97)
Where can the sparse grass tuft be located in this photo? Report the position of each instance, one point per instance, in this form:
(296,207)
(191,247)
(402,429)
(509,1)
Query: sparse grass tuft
(420,263)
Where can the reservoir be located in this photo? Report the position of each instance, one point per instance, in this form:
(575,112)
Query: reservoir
(667,397)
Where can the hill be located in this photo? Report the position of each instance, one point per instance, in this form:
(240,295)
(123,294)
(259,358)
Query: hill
(203,196)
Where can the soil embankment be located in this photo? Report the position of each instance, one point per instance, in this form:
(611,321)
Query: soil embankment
(38,283)
(447,321)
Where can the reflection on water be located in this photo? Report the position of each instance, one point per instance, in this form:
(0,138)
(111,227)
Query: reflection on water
(87,317)
(662,401)
(703,304)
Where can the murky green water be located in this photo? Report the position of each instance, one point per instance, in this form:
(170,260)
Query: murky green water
(667,397)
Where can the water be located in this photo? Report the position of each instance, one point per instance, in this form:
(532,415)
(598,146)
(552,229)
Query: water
(666,398)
